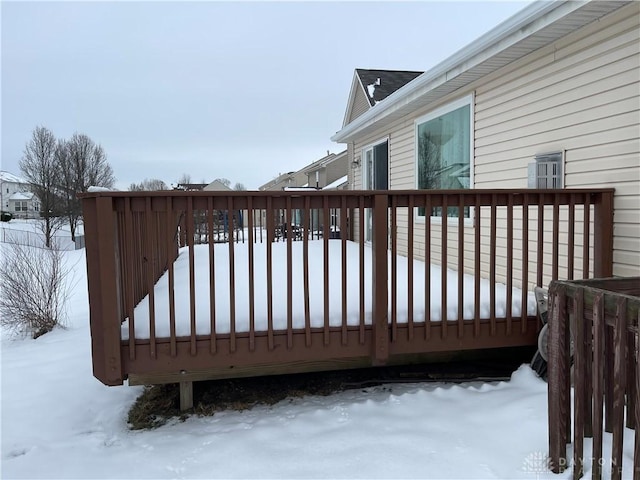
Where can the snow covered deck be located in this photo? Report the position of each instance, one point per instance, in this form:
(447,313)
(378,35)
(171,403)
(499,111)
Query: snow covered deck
(349,289)
(301,301)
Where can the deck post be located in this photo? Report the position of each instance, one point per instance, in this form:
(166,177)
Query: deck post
(603,236)
(558,371)
(380,280)
(100,245)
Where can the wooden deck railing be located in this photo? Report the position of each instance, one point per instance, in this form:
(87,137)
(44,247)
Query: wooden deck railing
(508,241)
(597,321)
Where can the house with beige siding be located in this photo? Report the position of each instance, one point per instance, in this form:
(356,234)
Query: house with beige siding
(317,174)
(550,98)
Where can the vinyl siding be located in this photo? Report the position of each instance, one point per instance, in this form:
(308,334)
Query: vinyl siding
(580,95)
(359,106)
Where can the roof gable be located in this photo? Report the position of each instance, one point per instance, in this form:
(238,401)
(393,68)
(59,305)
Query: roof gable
(216,186)
(372,86)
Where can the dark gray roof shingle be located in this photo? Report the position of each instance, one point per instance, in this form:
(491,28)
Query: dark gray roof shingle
(384,82)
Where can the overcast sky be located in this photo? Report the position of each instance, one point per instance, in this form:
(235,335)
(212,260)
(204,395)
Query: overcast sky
(235,89)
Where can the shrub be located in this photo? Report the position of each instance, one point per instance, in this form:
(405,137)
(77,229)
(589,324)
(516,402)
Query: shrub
(34,289)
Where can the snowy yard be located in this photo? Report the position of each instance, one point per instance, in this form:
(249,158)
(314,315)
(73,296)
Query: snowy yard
(60,422)
(30,232)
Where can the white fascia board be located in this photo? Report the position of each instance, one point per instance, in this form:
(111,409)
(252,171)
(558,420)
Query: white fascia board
(355,84)
(523,24)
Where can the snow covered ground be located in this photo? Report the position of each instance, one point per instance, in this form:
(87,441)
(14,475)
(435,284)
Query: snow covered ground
(59,422)
(30,232)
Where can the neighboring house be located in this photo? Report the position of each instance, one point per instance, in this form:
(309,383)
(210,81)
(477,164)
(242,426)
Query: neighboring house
(216,186)
(16,198)
(317,175)
(550,98)
(285,180)
(328,173)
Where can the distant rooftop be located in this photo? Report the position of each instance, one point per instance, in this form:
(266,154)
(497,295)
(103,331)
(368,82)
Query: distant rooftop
(10,177)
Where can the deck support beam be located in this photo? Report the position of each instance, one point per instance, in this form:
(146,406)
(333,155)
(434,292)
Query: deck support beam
(186,396)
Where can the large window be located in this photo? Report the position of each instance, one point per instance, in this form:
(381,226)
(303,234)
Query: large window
(444,151)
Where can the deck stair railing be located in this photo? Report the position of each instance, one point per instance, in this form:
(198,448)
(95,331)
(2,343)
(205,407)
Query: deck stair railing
(593,343)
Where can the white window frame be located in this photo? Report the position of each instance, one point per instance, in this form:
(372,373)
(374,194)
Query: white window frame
(363,151)
(363,170)
(444,109)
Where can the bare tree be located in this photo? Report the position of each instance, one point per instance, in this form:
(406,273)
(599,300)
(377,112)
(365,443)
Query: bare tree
(82,164)
(184,179)
(239,186)
(149,184)
(225,181)
(39,167)
(35,288)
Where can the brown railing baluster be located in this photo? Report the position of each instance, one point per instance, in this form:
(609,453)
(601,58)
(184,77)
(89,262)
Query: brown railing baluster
(128,281)
(598,383)
(571,237)
(171,247)
(325,257)
(232,275)
(343,240)
(443,264)
(636,410)
(410,255)
(305,271)
(394,267)
(361,220)
(619,387)
(525,264)
(212,276)
(579,384)
(555,239)
(149,259)
(608,377)
(427,266)
(585,236)
(631,380)
(509,305)
(270,239)
(540,244)
(252,296)
(289,233)
(492,263)
(461,200)
(192,274)
(476,275)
